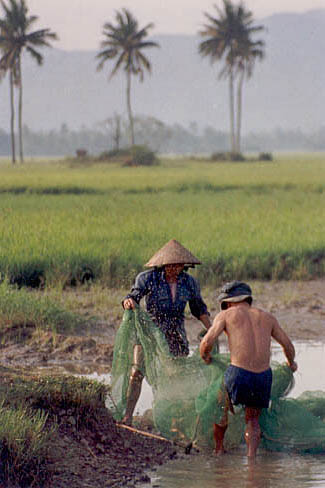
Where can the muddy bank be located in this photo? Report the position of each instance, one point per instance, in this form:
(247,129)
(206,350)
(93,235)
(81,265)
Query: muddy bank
(299,307)
(104,455)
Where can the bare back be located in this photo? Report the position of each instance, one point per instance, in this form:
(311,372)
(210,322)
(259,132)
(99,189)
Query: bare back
(249,332)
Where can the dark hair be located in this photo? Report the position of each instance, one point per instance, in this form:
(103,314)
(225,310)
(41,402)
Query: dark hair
(224,304)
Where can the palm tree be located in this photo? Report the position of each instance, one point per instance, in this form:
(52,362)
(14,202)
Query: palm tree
(15,37)
(228,39)
(9,64)
(249,52)
(125,42)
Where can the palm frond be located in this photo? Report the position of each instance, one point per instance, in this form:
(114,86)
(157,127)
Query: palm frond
(144,61)
(144,44)
(104,56)
(228,37)
(125,41)
(35,54)
(118,64)
(143,32)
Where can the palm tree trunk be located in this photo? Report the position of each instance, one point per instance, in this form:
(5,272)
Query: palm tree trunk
(12,118)
(239,110)
(232,111)
(128,98)
(20,120)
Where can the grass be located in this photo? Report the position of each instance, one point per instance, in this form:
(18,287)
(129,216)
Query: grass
(52,394)
(63,225)
(24,442)
(31,410)
(20,308)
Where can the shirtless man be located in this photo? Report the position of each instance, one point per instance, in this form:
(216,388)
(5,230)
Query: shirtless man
(248,379)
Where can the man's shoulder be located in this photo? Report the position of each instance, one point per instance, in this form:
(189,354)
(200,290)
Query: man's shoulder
(262,313)
(256,311)
(222,315)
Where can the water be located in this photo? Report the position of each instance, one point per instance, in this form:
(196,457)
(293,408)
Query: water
(270,470)
(311,364)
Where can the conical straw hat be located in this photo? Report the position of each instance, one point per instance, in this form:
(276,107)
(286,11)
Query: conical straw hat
(172,253)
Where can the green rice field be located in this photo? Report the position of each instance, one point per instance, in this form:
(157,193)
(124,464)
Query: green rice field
(252,220)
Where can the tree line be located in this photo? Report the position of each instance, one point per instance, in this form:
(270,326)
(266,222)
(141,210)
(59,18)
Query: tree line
(227,38)
(162,138)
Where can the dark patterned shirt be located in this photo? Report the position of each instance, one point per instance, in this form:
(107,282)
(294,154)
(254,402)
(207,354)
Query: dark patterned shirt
(167,314)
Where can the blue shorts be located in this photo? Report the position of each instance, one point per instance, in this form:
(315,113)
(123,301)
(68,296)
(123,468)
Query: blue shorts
(248,388)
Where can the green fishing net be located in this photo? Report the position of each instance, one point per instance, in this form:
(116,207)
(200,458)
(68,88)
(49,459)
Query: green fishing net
(189,395)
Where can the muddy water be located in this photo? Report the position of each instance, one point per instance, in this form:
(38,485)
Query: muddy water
(311,364)
(270,470)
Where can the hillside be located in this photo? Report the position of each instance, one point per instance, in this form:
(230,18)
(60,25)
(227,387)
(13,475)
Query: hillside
(286,90)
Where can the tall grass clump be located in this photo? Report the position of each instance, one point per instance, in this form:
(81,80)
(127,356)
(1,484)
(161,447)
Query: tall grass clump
(31,411)
(19,307)
(24,445)
(52,394)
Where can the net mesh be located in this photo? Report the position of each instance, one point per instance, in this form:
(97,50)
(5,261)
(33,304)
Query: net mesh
(189,395)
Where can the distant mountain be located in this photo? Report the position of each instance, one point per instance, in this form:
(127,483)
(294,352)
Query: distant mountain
(287,89)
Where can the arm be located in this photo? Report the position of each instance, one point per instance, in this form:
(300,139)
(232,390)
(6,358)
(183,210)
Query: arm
(288,348)
(197,306)
(205,319)
(138,290)
(208,341)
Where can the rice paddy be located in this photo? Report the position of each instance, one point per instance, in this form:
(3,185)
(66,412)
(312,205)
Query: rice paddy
(61,224)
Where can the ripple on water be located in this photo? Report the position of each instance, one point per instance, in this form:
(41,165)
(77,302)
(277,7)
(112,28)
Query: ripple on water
(270,470)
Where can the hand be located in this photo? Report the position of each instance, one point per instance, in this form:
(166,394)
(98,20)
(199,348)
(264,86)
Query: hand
(293,366)
(129,304)
(207,358)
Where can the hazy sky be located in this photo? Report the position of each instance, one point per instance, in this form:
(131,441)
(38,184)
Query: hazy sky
(79,22)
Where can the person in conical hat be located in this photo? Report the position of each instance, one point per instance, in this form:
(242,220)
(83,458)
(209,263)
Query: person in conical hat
(248,379)
(167,288)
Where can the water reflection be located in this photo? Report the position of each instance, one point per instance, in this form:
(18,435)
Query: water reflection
(270,470)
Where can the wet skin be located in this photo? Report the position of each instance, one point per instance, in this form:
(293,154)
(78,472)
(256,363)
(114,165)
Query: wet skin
(249,331)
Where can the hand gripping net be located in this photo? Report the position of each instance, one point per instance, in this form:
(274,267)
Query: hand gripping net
(189,395)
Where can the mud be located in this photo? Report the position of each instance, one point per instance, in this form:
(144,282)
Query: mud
(106,455)
(299,307)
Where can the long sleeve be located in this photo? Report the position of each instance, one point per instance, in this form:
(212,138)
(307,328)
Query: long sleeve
(140,287)
(196,303)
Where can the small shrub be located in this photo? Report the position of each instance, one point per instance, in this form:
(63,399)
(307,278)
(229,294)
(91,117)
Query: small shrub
(236,157)
(219,156)
(227,156)
(81,153)
(113,154)
(143,156)
(264,156)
